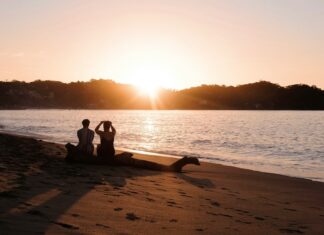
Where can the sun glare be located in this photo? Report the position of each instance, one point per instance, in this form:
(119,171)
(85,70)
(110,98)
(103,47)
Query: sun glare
(148,89)
(148,78)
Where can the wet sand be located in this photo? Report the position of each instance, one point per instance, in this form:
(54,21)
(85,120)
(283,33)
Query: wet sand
(40,193)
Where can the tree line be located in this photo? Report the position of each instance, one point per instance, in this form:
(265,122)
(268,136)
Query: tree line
(107,94)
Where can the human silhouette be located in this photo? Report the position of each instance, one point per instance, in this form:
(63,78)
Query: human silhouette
(85,136)
(106,149)
(106,154)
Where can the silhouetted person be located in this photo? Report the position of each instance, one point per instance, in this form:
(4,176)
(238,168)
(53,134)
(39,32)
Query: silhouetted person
(85,136)
(85,146)
(105,149)
(106,153)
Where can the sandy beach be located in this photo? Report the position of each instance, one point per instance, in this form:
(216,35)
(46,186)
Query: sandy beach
(42,194)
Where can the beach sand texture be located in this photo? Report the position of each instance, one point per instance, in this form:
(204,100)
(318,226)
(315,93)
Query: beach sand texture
(40,193)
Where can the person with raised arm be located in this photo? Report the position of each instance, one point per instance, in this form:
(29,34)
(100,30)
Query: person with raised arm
(106,153)
(106,149)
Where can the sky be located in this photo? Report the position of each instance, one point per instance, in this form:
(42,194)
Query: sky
(169,43)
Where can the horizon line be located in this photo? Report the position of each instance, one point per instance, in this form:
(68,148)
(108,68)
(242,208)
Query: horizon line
(162,88)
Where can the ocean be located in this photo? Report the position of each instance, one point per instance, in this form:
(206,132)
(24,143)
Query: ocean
(284,142)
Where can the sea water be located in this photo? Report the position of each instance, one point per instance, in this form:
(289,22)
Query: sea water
(284,142)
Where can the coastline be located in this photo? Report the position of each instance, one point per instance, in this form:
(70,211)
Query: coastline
(40,193)
(268,170)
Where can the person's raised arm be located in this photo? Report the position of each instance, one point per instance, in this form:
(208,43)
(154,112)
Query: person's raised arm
(97,128)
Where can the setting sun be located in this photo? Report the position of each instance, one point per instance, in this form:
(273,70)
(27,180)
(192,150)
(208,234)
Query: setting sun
(148,77)
(148,89)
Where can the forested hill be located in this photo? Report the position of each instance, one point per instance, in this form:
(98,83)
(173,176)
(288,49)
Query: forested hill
(107,94)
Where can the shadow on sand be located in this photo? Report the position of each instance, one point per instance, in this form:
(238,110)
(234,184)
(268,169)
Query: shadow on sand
(44,186)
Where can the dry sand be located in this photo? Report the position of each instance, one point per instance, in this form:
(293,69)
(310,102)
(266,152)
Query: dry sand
(40,193)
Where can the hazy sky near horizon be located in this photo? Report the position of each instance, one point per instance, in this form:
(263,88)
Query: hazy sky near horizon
(171,43)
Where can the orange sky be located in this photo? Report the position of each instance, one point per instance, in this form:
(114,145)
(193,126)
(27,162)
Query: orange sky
(174,44)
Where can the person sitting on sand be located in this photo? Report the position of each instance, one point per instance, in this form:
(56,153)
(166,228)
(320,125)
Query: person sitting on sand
(105,149)
(85,147)
(106,153)
(85,136)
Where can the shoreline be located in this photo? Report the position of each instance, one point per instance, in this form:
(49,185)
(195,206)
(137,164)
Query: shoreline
(157,154)
(41,193)
(39,137)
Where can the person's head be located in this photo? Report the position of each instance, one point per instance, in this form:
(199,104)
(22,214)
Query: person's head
(107,125)
(85,123)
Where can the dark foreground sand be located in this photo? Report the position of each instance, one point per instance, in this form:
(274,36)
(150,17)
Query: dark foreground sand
(40,193)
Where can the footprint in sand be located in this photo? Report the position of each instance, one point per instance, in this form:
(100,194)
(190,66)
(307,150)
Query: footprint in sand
(150,199)
(64,225)
(184,194)
(171,203)
(214,203)
(269,204)
(209,190)
(133,192)
(316,208)
(243,222)
(102,225)
(219,214)
(289,209)
(199,229)
(289,230)
(161,189)
(241,199)
(27,204)
(150,220)
(118,209)
(132,216)
(240,211)
(126,193)
(36,213)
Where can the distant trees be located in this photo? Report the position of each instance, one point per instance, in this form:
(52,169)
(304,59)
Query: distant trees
(107,94)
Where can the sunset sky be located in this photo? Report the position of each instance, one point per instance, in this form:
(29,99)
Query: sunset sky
(170,43)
